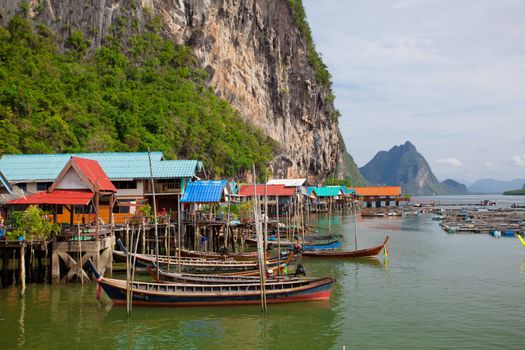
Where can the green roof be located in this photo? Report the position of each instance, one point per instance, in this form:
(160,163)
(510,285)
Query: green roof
(117,165)
(327,191)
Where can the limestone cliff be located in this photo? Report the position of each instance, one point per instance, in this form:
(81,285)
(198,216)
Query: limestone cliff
(404,165)
(253,51)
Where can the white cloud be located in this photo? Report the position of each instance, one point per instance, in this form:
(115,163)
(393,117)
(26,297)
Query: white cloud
(445,74)
(450,161)
(518,160)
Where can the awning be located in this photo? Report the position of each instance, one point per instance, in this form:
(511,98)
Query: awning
(61,197)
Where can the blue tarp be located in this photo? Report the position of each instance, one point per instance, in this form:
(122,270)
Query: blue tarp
(204,191)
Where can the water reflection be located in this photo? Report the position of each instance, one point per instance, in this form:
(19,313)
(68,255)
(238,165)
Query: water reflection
(21,323)
(225,327)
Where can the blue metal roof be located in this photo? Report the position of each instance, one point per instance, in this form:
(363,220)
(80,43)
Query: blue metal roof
(204,191)
(117,165)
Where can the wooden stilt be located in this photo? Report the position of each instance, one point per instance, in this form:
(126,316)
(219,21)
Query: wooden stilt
(23,270)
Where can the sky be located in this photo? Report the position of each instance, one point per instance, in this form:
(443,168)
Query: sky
(447,75)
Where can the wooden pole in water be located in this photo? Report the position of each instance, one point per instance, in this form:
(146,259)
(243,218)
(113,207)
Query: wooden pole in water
(355,227)
(23,269)
(133,271)
(259,237)
(278,238)
(128,273)
(265,232)
(154,214)
(179,245)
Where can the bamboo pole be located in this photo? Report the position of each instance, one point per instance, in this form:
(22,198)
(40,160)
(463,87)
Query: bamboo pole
(355,227)
(133,271)
(128,274)
(154,214)
(259,237)
(278,238)
(179,245)
(23,269)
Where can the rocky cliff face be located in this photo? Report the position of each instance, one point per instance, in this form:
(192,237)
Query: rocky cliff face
(255,56)
(404,165)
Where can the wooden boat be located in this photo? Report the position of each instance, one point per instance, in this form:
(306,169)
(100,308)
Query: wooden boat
(346,254)
(309,245)
(183,294)
(173,277)
(213,255)
(192,265)
(322,246)
(244,276)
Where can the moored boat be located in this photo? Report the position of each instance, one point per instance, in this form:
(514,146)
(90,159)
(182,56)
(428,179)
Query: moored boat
(346,254)
(172,277)
(192,265)
(182,294)
(213,255)
(308,245)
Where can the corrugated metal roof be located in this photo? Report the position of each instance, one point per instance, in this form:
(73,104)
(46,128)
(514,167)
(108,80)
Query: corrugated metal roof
(327,191)
(56,197)
(345,189)
(5,183)
(117,165)
(287,182)
(271,190)
(204,191)
(378,191)
(94,173)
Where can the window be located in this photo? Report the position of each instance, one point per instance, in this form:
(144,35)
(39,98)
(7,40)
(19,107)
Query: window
(22,186)
(49,209)
(169,183)
(42,186)
(124,207)
(125,185)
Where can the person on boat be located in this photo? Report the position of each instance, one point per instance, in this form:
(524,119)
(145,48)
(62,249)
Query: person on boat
(2,229)
(300,270)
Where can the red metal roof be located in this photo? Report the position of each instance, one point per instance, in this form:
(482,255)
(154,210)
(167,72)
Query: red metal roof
(63,197)
(93,171)
(271,190)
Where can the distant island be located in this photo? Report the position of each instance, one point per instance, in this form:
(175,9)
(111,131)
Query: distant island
(516,192)
(404,165)
(492,186)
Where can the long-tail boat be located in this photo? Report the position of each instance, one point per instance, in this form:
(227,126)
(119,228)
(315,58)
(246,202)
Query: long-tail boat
(250,276)
(307,245)
(213,255)
(193,265)
(173,277)
(182,294)
(346,254)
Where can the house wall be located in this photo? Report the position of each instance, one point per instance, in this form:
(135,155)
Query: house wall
(134,192)
(87,218)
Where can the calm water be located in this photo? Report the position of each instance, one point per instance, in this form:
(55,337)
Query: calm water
(436,291)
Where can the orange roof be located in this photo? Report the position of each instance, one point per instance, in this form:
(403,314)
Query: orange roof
(378,191)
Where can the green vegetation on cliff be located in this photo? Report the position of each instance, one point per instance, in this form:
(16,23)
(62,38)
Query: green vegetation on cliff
(314,59)
(147,93)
